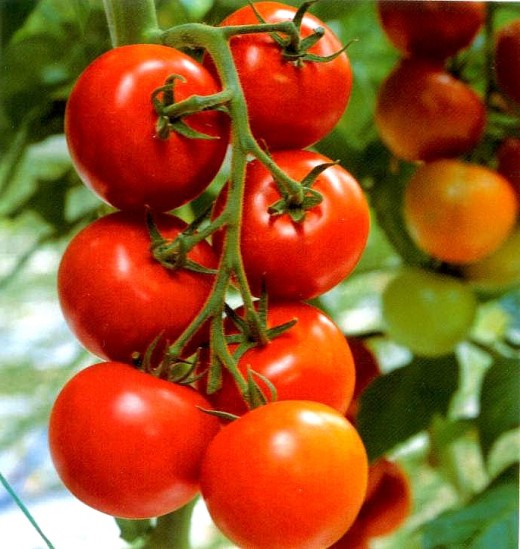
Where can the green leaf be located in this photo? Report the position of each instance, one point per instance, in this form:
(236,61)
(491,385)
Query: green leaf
(499,402)
(402,403)
(489,520)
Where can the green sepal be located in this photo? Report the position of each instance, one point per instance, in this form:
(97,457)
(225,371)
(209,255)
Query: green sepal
(180,127)
(219,413)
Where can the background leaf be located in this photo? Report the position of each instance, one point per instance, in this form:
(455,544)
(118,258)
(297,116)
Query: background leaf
(499,402)
(403,402)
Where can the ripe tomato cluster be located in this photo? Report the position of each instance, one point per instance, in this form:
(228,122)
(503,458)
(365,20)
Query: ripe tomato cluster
(458,211)
(140,433)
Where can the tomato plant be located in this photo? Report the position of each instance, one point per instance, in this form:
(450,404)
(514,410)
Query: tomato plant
(148,129)
(427,312)
(293,97)
(127,443)
(290,474)
(310,361)
(111,129)
(459,212)
(116,298)
(507,51)
(424,113)
(301,259)
(433,29)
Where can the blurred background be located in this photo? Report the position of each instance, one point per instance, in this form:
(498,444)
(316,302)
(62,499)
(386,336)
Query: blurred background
(451,449)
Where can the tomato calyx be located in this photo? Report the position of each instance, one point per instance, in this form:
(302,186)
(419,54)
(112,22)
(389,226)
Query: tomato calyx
(296,205)
(171,113)
(252,334)
(173,254)
(295,49)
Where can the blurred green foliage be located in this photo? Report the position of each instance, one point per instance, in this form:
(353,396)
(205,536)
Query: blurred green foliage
(442,418)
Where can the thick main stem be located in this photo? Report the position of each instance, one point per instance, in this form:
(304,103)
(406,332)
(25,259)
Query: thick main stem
(133,22)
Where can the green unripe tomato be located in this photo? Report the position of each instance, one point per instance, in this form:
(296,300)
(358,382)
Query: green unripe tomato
(427,312)
(498,271)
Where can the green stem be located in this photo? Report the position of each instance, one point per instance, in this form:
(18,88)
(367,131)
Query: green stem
(215,41)
(173,530)
(131,22)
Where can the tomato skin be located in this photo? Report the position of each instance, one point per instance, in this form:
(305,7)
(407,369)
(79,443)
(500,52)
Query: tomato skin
(459,212)
(310,361)
(424,113)
(299,261)
(285,102)
(387,505)
(498,271)
(288,475)
(127,443)
(508,157)
(507,53)
(116,298)
(433,29)
(367,370)
(427,312)
(110,129)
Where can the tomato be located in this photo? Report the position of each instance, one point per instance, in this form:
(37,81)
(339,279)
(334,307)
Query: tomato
(507,53)
(390,501)
(367,370)
(427,312)
(508,157)
(431,28)
(127,443)
(500,270)
(117,298)
(459,212)
(288,475)
(310,361)
(424,113)
(385,508)
(290,105)
(301,260)
(110,128)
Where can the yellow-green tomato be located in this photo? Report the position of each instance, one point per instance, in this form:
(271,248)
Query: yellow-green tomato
(500,270)
(427,312)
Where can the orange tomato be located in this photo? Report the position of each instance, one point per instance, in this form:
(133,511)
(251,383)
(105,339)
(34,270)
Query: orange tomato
(459,212)
(424,113)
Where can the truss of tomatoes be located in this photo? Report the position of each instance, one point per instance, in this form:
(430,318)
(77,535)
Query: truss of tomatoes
(289,473)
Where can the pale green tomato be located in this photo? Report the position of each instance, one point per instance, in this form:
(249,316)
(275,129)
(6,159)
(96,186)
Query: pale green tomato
(427,312)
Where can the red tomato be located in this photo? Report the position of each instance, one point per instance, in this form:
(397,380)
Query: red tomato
(127,443)
(508,156)
(424,113)
(387,506)
(390,501)
(290,105)
(367,369)
(507,54)
(288,475)
(116,297)
(431,28)
(310,361)
(300,261)
(110,128)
